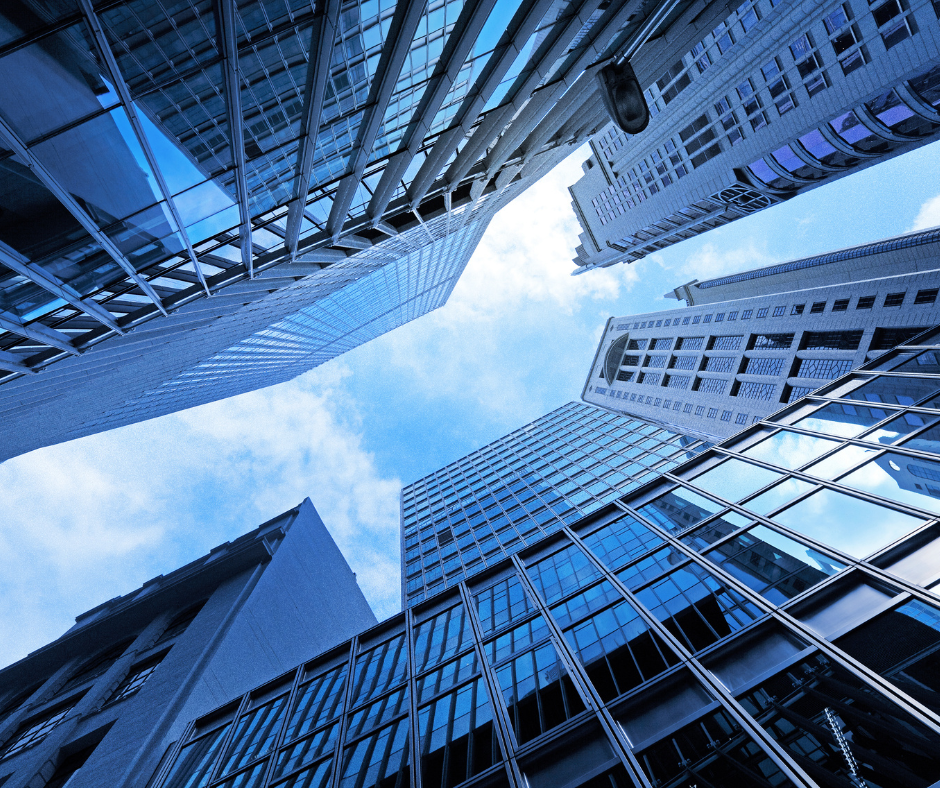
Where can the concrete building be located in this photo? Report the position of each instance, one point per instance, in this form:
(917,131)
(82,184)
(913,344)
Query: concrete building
(750,341)
(765,101)
(180,183)
(763,614)
(101,705)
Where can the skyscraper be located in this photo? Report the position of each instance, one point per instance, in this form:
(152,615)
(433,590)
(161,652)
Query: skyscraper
(768,100)
(177,180)
(108,697)
(753,340)
(530,483)
(761,615)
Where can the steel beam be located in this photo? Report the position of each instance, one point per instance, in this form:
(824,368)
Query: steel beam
(52,184)
(37,275)
(127,103)
(10,363)
(322,36)
(37,332)
(507,50)
(581,98)
(459,44)
(233,102)
(404,25)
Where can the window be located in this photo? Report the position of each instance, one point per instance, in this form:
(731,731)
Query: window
(710,385)
(700,410)
(840,305)
(690,343)
(741,419)
(687,408)
(34,731)
(95,666)
(712,412)
(892,23)
(762,312)
(759,391)
(887,338)
(746,314)
(797,309)
(831,340)
(770,341)
(865,302)
(808,64)
(732,316)
(726,415)
(179,624)
(779,311)
(894,299)
(764,366)
(927,296)
(725,342)
(822,368)
(135,678)
(817,307)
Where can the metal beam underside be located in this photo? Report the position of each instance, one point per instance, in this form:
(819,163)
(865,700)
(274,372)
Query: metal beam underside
(38,333)
(405,22)
(471,20)
(322,35)
(62,195)
(10,363)
(484,88)
(124,94)
(35,274)
(233,104)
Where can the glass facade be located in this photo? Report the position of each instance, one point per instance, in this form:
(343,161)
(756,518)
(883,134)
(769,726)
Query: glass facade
(764,614)
(511,493)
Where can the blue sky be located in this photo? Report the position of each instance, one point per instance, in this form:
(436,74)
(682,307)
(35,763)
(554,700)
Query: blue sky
(95,518)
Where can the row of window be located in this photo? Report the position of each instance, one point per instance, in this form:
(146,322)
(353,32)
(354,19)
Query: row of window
(35,729)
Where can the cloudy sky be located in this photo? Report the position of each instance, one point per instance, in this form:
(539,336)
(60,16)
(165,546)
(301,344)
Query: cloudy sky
(91,519)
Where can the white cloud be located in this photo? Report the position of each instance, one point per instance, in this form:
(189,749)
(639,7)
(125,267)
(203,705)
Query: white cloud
(711,260)
(95,518)
(928,216)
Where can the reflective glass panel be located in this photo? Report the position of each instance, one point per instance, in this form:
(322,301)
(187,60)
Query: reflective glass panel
(586,602)
(516,639)
(622,541)
(842,420)
(811,705)
(193,765)
(448,676)
(777,567)
(901,478)
(501,604)
(680,509)
(652,566)
(849,524)
(618,650)
(254,734)
(778,495)
(716,529)
(790,449)
(928,440)
(318,701)
(847,457)
(903,645)
(697,607)
(457,737)
(926,363)
(315,777)
(380,669)
(711,751)
(378,713)
(441,638)
(307,750)
(538,692)
(562,573)
(378,760)
(734,479)
(894,391)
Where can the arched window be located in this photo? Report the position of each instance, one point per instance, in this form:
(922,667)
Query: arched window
(614,357)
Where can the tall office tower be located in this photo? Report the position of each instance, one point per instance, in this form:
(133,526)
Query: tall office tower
(763,615)
(750,341)
(514,491)
(182,183)
(101,705)
(769,100)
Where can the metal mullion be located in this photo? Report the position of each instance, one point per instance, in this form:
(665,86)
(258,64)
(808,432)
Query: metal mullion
(279,738)
(501,61)
(404,24)
(581,681)
(322,36)
(770,746)
(233,102)
(227,739)
(69,202)
(862,672)
(37,332)
(11,363)
(344,711)
(501,723)
(117,78)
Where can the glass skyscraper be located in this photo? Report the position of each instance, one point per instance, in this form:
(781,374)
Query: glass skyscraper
(764,614)
(513,492)
(178,178)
